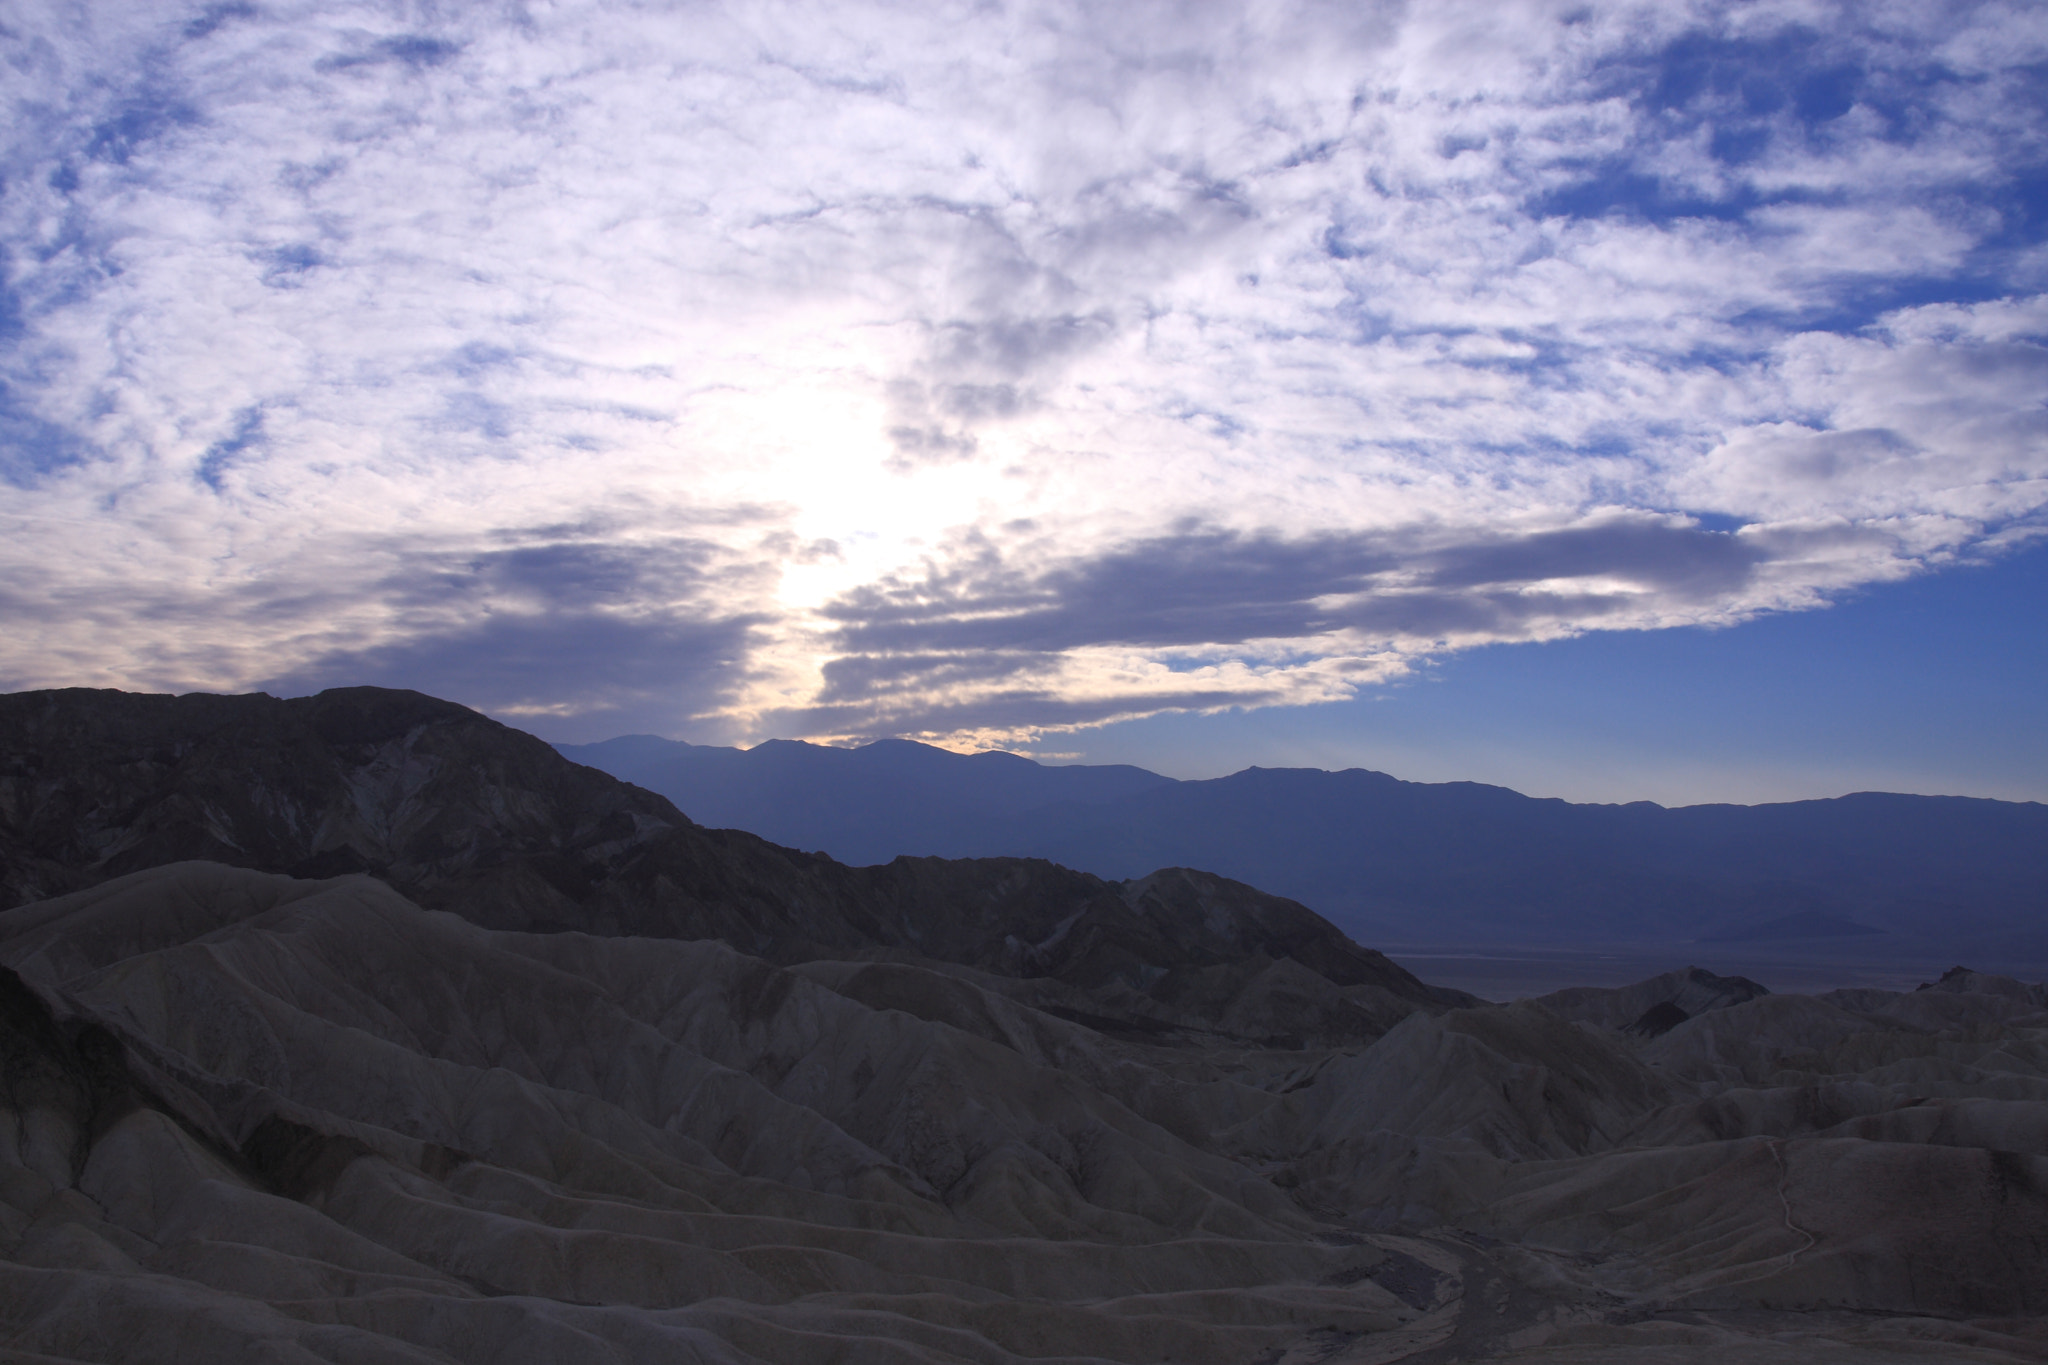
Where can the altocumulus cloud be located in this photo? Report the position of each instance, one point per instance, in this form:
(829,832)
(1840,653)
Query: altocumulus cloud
(976,370)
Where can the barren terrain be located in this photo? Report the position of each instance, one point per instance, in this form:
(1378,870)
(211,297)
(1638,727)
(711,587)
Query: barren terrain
(756,1107)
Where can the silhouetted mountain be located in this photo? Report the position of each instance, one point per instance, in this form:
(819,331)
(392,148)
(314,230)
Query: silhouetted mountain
(461,813)
(864,805)
(1407,861)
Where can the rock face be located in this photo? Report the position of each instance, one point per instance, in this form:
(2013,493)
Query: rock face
(759,1107)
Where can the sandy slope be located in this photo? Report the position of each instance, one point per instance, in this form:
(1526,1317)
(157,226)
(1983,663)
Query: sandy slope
(250,1117)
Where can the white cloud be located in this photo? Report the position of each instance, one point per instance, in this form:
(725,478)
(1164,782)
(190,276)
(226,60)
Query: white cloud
(957,311)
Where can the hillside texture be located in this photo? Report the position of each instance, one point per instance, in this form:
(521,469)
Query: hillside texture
(530,1068)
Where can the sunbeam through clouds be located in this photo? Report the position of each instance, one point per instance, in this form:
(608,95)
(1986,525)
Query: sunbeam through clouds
(980,371)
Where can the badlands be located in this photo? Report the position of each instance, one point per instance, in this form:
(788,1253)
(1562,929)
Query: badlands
(359,1028)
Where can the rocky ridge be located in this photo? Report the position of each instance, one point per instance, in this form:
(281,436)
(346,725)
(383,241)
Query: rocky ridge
(461,813)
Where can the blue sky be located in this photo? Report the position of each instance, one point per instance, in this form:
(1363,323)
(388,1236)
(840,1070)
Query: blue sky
(1933,685)
(1516,391)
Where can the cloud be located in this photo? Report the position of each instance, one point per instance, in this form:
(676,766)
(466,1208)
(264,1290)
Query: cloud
(1204,587)
(995,717)
(415,50)
(991,628)
(1200,586)
(592,675)
(1687,561)
(573,622)
(584,626)
(1128,357)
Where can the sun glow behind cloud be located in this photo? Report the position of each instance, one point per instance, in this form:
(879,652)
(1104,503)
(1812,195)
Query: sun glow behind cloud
(983,371)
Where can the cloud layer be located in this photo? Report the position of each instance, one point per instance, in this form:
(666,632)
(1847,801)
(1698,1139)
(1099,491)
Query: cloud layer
(974,371)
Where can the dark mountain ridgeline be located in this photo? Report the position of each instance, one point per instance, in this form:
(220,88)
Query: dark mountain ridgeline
(1407,861)
(461,813)
(893,795)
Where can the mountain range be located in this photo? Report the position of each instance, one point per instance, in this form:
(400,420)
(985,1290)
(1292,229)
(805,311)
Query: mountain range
(1394,862)
(361,1028)
(463,814)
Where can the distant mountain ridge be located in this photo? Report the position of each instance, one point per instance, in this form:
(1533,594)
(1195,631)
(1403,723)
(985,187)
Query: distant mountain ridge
(930,794)
(458,812)
(1404,861)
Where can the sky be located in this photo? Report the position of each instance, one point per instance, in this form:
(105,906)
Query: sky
(1933,685)
(1609,400)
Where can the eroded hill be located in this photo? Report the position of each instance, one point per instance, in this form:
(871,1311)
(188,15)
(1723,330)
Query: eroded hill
(559,1076)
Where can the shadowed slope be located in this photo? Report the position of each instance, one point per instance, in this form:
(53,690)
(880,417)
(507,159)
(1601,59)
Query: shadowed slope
(255,1090)
(246,1114)
(461,813)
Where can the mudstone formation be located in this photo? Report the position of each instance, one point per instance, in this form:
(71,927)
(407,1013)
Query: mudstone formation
(359,1028)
